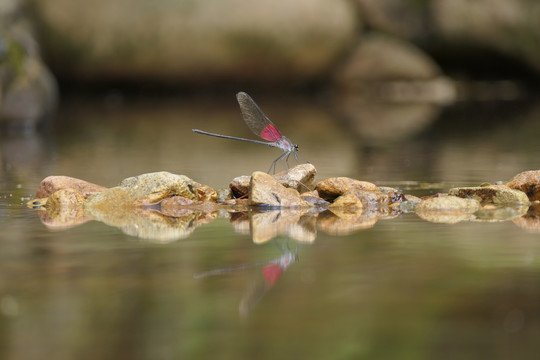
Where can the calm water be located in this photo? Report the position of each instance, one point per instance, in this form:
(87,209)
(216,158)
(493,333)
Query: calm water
(402,288)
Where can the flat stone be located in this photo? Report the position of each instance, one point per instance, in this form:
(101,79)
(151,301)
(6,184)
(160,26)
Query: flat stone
(492,194)
(52,184)
(267,191)
(147,189)
(447,209)
(528,182)
(331,188)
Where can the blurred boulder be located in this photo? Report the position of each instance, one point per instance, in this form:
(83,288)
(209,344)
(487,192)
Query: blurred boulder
(280,42)
(385,67)
(511,27)
(28,90)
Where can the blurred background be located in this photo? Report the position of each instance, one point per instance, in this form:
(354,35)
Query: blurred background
(384,89)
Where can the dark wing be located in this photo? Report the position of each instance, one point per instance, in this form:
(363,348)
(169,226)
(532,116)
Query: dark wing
(255,119)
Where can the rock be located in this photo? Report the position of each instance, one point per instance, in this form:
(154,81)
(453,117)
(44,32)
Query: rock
(313,198)
(447,209)
(492,194)
(52,184)
(387,68)
(284,42)
(528,182)
(331,188)
(384,58)
(267,191)
(240,186)
(349,201)
(406,19)
(177,206)
(300,178)
(224,195)
(394,195)
(148,189)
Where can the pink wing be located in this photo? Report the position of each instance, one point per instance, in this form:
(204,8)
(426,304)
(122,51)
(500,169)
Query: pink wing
(256,120)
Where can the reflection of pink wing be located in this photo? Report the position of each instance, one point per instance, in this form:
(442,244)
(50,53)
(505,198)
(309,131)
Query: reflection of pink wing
(271,273)
(270,133)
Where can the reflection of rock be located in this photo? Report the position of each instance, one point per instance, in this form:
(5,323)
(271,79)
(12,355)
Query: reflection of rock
(492,194)
(528,182)
(267,191)
(492,213)
(51,184)
(340,222)
(64,209)
(149,224)
(531,220)
(331,188)
(447,209)
(266,225)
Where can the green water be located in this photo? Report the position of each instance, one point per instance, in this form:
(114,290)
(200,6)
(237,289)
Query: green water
(403,288)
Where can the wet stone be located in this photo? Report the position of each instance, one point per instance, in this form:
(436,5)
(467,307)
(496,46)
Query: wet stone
(447,209)
(492,194)
(313,198)
(301,178)
(331,188)
(240,186)
(528,182)
(149,189)
(64,209)
(267,191)
(52,184)
(349,201)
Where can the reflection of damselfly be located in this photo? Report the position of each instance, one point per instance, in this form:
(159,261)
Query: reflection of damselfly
(271,272)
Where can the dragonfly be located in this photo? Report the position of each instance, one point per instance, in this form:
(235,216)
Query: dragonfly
(261,126)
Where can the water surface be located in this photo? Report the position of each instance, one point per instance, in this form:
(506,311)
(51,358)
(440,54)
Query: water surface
(402,288)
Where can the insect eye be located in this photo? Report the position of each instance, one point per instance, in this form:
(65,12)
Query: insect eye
(296,147)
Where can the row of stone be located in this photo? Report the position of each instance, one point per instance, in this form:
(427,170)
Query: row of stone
(290,189)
